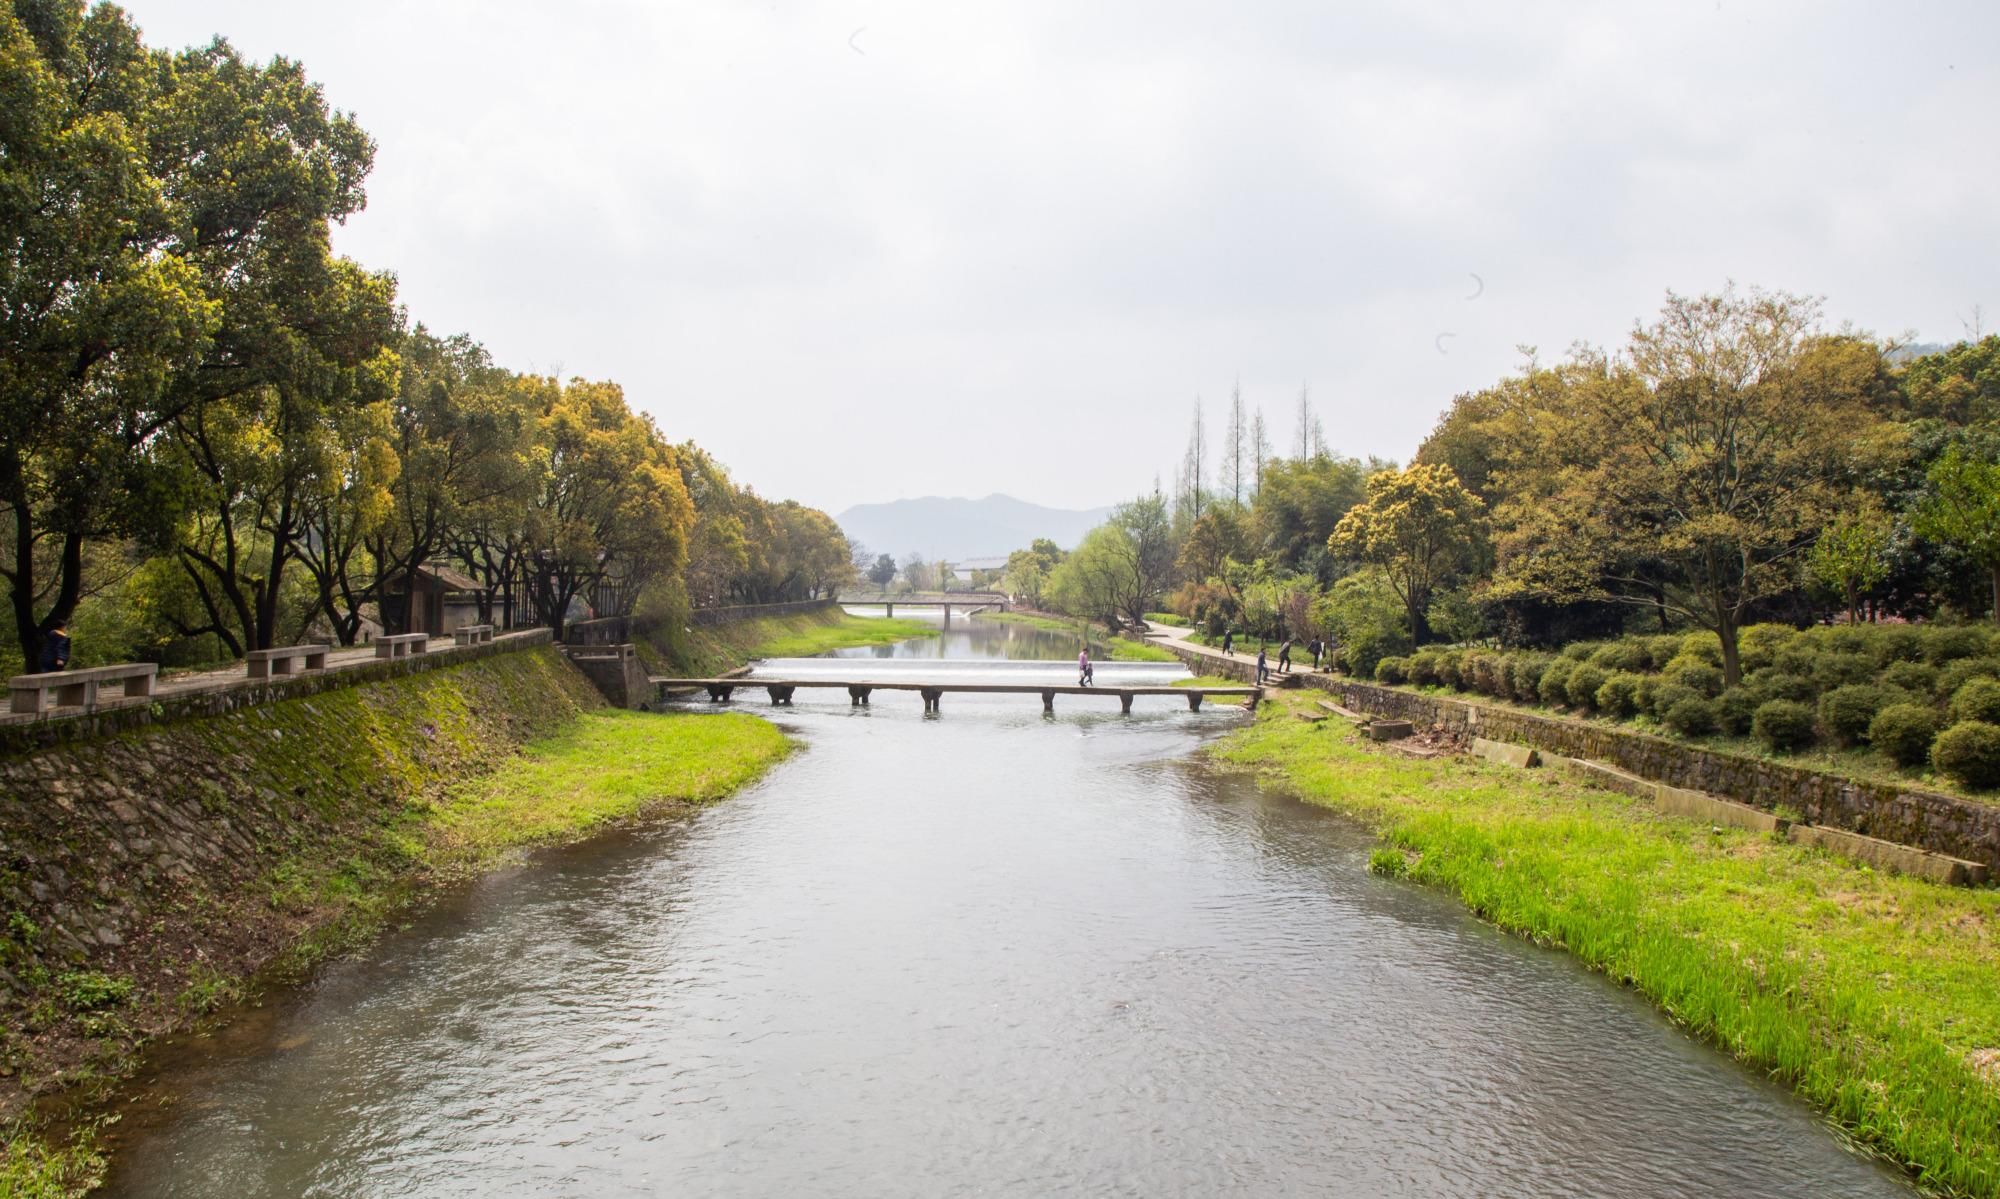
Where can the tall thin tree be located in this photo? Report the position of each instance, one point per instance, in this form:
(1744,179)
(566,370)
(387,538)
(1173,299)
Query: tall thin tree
(1197,454)
(1239,432)
(1305,422)
(1260,449)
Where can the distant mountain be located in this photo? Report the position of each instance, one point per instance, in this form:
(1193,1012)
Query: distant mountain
(957,529)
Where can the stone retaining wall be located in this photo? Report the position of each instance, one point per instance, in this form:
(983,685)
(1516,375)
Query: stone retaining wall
(117,716)
(1962,828)
(184,852)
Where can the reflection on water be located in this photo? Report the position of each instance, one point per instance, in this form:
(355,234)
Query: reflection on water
(989,954)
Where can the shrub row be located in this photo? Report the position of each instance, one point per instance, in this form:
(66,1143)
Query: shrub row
(1914,694)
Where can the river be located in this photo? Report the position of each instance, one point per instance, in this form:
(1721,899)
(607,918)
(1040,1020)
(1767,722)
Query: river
(982,953)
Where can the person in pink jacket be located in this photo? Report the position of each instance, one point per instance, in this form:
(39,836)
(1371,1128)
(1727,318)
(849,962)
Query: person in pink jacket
(1083,672)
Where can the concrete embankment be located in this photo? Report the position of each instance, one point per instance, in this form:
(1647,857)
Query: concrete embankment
(146,871)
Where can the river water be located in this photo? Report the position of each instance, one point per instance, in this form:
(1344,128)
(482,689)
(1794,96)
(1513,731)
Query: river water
(981,953)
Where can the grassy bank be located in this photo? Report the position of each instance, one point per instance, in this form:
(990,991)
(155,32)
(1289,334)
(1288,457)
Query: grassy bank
(394,788)
(1114,649)
(715,649)
(1870,994)
(611,765)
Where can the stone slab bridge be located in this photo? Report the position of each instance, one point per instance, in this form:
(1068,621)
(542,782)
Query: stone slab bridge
(780,691)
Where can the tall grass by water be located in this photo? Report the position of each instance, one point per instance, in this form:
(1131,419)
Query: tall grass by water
(1875,996)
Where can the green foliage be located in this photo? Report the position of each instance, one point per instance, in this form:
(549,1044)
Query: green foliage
(1692,716)
(1759,644)
(1451,669)
(1919,677)
(1524,676)
(1841,669)
(1366,621)
(1619,695)
(1963,508)
(1625,655)
(1904,732)
(1423,668)
(1489,672)
(1958,673)
(1694,674)
(1784,725)
(1553,686)
(1895,644)
(1845,713)
(1970,753)
(1948,643)
(1978,700)
(1417,525)
(1582,684)
(1392,670)
(1736,710)
(91,991)
(1776,683)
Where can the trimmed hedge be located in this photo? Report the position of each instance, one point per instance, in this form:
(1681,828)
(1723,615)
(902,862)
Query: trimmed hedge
(1969,751)
(1978,700)
(1904,732)
(1392,670)
(1784,725)
(1846,712)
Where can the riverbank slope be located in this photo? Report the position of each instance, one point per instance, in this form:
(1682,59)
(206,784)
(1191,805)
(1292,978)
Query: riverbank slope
(147,878)
(707,650)
(1870,994)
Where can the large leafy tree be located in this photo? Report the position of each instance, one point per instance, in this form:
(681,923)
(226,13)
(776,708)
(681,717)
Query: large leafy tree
(1720,449)
(1418,525)
(1117,573)
(100,310)
(1963,509)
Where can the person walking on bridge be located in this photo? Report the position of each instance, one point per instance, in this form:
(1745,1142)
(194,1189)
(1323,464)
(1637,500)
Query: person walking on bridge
(1084,674)
(55,649)
(1263,667)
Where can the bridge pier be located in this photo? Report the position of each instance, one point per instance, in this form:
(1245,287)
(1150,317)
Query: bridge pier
(1125,702)
(931,697)
(857,697)
(719,695)
(1049,702)
(1194,701)
(889,611)
(781,695)
(947,616)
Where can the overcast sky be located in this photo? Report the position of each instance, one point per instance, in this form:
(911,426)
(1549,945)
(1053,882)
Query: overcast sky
(874,249)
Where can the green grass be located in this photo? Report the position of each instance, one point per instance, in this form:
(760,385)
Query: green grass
(610,765)
(714,649)
(1873,995)
(1125,649)
(851,631)
(32,1167)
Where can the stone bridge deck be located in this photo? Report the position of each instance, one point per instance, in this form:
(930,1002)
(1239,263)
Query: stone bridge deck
(780,690)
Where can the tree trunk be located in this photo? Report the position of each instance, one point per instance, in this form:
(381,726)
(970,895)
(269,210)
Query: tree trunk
(1996,592)
(1732,662)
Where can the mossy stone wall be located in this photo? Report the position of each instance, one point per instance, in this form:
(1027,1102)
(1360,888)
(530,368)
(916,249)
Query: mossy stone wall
(174,854)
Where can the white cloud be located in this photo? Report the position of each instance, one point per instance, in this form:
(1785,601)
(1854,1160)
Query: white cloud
(1002,247)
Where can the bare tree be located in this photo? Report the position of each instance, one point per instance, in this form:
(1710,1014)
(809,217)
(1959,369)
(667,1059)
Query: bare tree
(1239,432)
(1197,453)
(1260,449)
(1306,423)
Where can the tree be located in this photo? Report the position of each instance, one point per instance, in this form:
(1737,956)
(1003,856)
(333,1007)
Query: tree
(1193,496)
(1964,510)
(1417,525)
(1298,504)
(1260,451)
(883,572)
(1117,573)
(99,307)
(1720,449)
(1239,434)
(1848,556)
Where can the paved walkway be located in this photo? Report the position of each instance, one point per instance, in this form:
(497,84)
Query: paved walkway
(235,674)
(1178,636)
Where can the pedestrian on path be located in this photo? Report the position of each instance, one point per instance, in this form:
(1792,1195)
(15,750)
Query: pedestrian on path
(1285,657)
(1228,640)
(1315,647)
(55,649)
(1263,667)
(1083,672)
